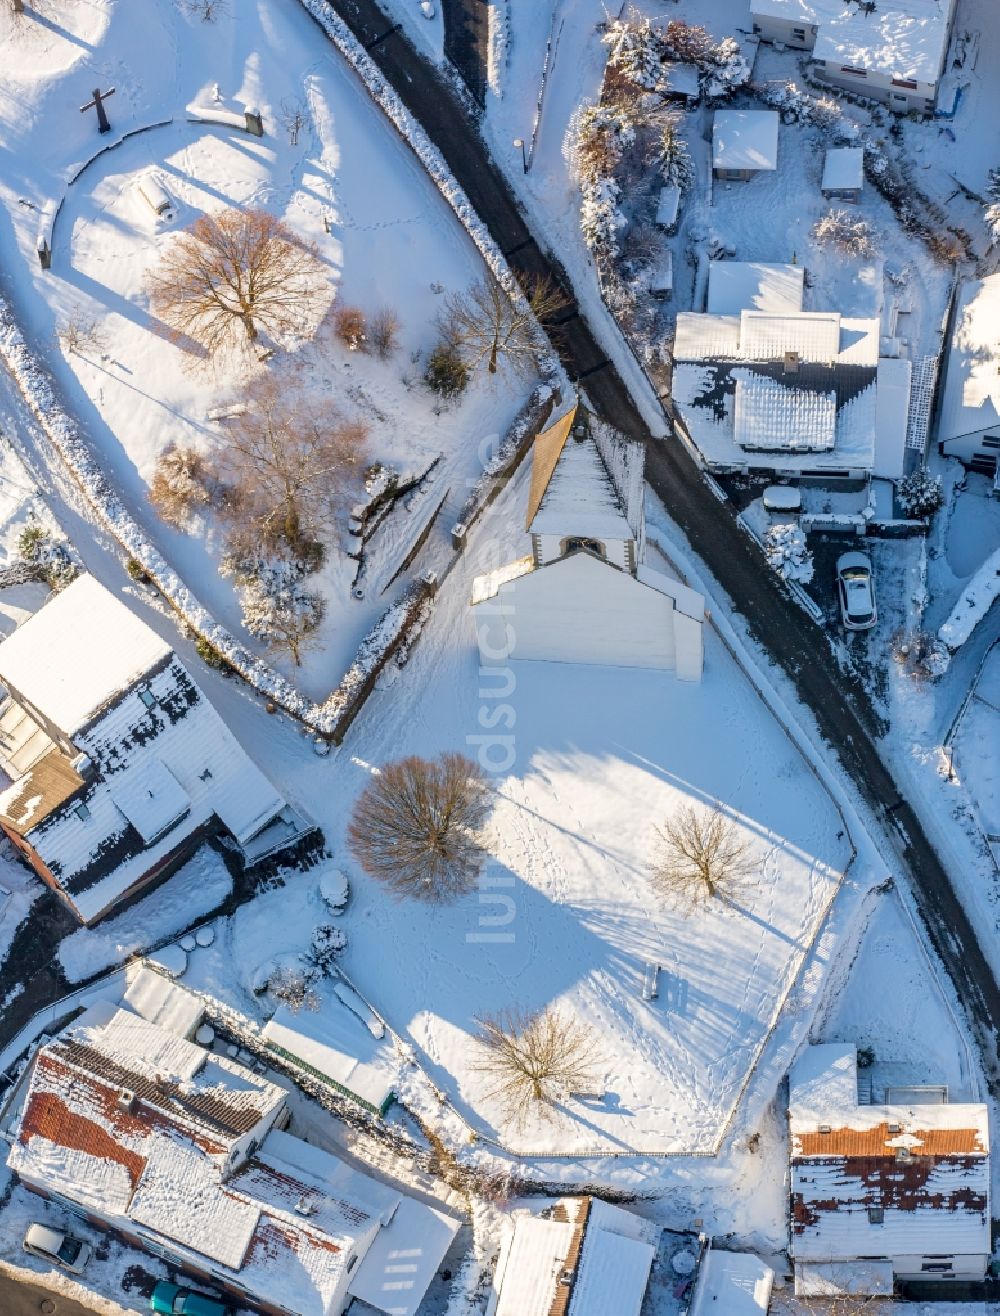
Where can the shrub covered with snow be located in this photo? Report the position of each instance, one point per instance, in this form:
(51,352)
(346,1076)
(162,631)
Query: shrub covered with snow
(919,493)
(37,547)
(852,233)
(277,607)
(788,553)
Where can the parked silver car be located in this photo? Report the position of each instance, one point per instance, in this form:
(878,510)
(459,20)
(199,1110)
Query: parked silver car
(856,592)
(53,1245)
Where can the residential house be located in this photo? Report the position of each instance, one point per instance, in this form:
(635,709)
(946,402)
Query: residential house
(843,173)
(761,386)
(744,143)
(879,1193)
(184,1153)
(585,594)
(890,50)
(583,1257)
(118,767)
(969,424)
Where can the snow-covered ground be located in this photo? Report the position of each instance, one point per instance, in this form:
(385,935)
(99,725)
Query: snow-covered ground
(601,758)
(392,242)
(197,888)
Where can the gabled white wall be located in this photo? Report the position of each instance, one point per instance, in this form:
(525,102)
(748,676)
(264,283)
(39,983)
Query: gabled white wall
(581,610)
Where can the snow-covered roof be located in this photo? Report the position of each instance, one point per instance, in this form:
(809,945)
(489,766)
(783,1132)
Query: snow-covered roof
(77,653)
(777,416)
(572,489)
(732,1284)
(892,410)
(701,337)
(735,286)
(899,38)
(843,169)
(138,1126)
(595,1254)
(745,139)
(882,1180)
(971,400)
(811,335)
(160,1001)
(404,1257)
(338,1046)
(159,765)
(668,204)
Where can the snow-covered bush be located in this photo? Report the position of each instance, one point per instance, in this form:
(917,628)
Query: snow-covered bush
(675,161)
(277,608)
(600,218)
(852,233)
(921,654)
(180,483)
(334,889)
(446,373)
(327,943)
(725,68)
(350,324)
(919,493)
(291,984)
(597,138)
(788,553)
(796,104)
(636,50)
(52,558)
(687,42)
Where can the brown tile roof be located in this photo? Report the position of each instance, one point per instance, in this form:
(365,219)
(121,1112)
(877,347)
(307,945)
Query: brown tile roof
(229,1118)
(874,1142)
(545,455)
(47,784)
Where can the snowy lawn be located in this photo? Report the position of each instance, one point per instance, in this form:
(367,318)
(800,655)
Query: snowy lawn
(197,888)
(894,1002)
(977,749)
(386,238)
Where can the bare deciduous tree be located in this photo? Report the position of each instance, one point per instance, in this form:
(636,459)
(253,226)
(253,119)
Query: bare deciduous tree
(285,461)
(180,483)
(702,855)
(843,1305)
(207,10)
(486,326)
(383,330)
(534,1058)
(231,275)
(80,334)
(416,827)
(293,117)
(350,324)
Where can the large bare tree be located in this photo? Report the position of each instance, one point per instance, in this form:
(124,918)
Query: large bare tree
(702,856)
(487,327)
(532,1059)
(285,460)
(416,826)
(232,275)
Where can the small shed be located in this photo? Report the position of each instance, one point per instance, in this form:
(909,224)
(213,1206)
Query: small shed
(732,1284)
(744,143)
(668,208)
(843,173)
(782,498)
(661,280)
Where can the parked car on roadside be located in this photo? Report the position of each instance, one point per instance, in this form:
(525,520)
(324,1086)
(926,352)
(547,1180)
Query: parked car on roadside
(53,1245)
(856,592)
(173,1300)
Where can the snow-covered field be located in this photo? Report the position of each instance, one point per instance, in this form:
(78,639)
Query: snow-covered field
(602,757)
(386,238)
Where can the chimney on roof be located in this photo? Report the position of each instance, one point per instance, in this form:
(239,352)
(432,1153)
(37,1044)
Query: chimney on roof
(579,432)
(566,1277)
(305,1206)
(791,363)
(126,1099)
